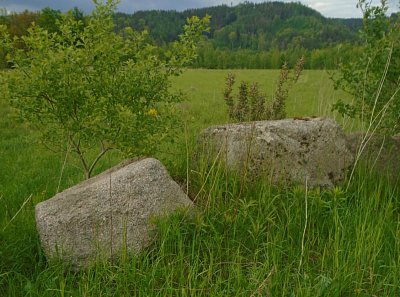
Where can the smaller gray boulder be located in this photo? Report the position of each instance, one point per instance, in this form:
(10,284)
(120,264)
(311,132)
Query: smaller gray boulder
(108,215)
(290,151)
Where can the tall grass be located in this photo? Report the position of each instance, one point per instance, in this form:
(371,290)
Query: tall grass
(248,238)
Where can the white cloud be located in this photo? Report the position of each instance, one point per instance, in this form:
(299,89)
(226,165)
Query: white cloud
(319,5)
(342,8)
(19,7)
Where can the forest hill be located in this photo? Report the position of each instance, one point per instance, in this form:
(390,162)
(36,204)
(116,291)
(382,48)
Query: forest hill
(248,35)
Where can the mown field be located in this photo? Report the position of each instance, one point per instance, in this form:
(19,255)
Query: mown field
(250,239)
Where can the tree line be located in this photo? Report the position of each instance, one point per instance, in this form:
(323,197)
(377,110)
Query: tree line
(324,58)
(247,35)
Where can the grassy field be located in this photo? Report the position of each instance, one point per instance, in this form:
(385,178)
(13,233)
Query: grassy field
(312,95)
(251,239)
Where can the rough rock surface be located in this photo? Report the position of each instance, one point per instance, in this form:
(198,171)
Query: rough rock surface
(286,151)
(380,152)
(93,221)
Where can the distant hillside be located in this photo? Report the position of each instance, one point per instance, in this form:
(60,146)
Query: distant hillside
(248,35)
(353,24)
(252,26)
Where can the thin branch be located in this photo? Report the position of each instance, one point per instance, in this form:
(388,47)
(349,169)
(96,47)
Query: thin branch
(22,69)
(77,149)
(104,150)
(48,98)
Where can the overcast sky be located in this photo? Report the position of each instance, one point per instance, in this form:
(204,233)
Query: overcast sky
(329,8)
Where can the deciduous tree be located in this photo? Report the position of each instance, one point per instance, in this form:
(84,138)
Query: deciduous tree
(87,86)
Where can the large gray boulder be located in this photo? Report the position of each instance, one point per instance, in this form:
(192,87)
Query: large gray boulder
(108,215)
(290,151)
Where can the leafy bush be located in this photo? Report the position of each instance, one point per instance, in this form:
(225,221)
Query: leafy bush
(86,86)
(251,104)
(373,78)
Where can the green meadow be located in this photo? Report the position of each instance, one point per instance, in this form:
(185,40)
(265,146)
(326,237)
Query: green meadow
(312,95)
(249,239)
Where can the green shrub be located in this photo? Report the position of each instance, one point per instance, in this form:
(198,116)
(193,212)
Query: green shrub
(86,86)
(250,104)
(373,78)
